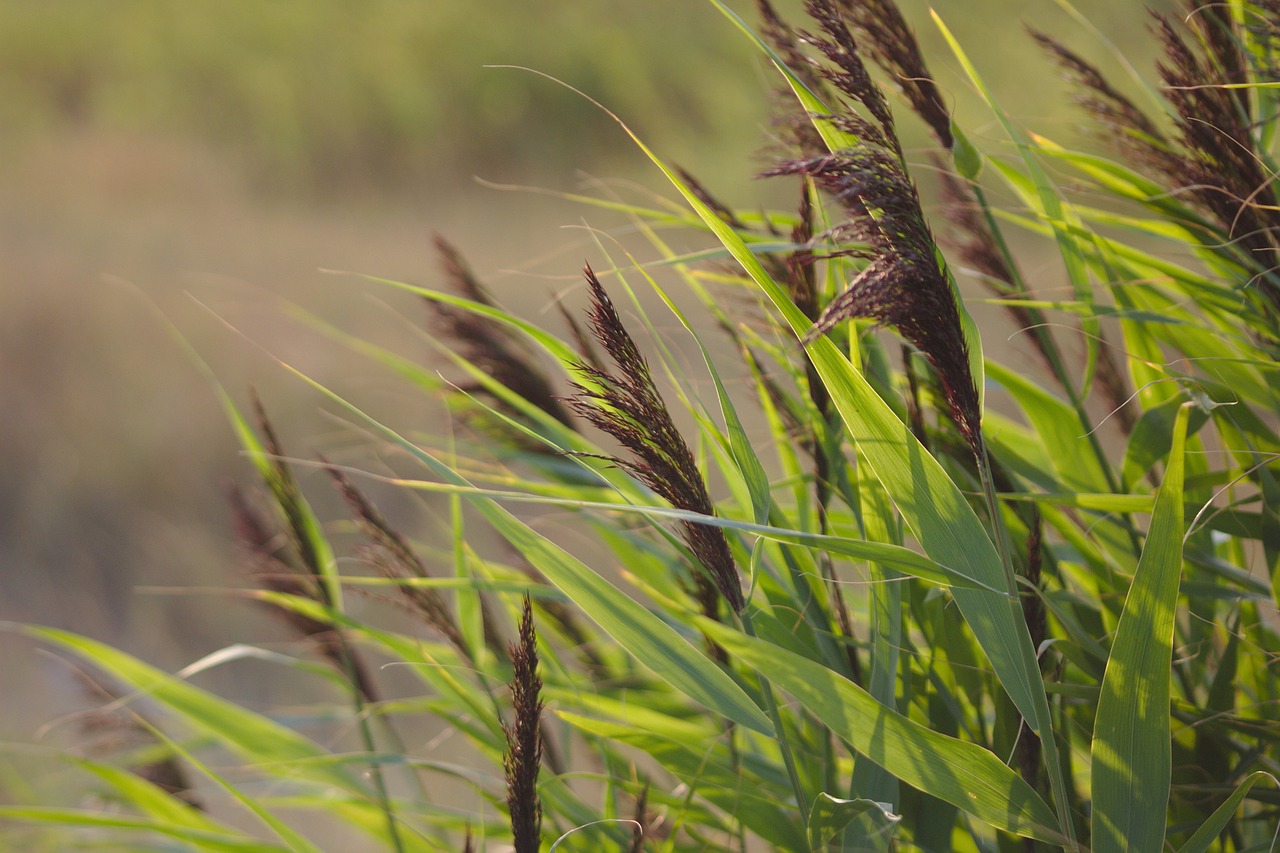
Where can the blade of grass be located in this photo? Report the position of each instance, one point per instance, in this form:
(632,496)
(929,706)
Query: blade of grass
(201,838)
(1212,828)
(962,773)
(256,738)
(894,556)
(1131,737)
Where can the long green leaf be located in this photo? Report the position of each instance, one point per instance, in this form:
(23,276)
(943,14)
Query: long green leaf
(259,740)
(961,773)
(1212,828)
(200,839)
(1131,736)
(894,556)
(744,455)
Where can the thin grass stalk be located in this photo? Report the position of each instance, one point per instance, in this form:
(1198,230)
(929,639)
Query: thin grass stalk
(370,746)
(1057,781)
(638,830)
(802,283)
(291,503)
(780,731)
(1045,342)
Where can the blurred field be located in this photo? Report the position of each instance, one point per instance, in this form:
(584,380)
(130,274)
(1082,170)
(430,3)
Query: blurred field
(209,160)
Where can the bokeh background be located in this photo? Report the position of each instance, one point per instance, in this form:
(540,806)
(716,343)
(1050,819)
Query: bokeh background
(201,167)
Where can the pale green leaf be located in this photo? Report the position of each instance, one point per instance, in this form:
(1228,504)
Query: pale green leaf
(1131,735)
(961,773)
(830,815)
(200,839)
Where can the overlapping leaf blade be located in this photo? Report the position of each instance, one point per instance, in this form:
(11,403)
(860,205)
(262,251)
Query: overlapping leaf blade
(1131,737)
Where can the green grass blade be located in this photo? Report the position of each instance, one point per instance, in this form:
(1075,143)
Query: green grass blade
(253,805)
(1056,424)
(553,345)
(961,773)
(1212,828)
(886,635)
(200,839)
(151,799)
(893,556)
(1131,736)
(744,455)
(261,741)
(311,535)
(830,815)
(1059,217)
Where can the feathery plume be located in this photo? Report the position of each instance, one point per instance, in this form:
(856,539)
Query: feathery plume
(1212,159)
(523,758)
(892,45)
(1132,131)
(626,404)
(787,43)
(274,567)
(904,284)
(849,75)
(397,561)
(704,195)
(1226,173)
(487,344)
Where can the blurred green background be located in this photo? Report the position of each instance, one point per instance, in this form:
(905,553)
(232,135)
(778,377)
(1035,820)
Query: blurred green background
(206,162)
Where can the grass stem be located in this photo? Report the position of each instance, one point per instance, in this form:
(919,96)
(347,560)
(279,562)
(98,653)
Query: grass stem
(775,715)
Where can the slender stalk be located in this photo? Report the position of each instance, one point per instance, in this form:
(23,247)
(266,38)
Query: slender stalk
(771,708)
(1057,782)
(367,740)
(1048,346)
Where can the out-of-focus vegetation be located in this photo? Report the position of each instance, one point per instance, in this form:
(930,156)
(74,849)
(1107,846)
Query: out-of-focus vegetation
(342,97)
(338,97)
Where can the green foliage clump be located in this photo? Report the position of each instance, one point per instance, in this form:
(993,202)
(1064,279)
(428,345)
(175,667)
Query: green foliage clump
(843,599)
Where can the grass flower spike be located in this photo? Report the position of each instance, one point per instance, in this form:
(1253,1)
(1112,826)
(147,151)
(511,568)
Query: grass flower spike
(626,404)
(905,283)
(523,759)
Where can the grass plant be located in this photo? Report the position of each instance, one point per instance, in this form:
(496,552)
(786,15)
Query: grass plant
(846,581)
